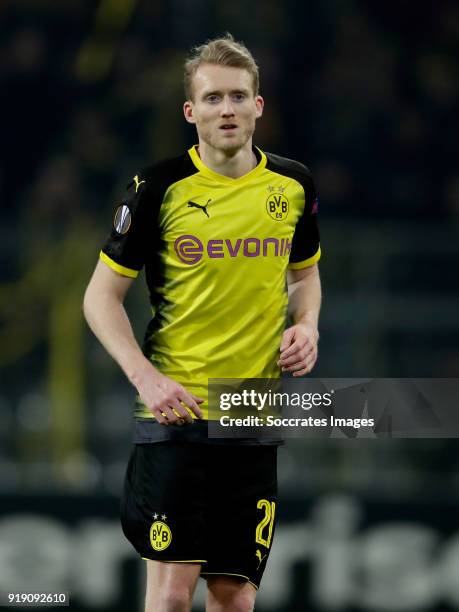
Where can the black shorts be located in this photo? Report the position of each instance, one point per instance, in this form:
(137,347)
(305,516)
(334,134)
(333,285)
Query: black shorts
(202,503)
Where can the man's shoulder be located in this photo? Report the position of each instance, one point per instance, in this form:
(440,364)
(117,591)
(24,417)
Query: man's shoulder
(168,171)
(288,167)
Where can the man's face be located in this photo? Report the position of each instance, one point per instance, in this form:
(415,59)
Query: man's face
(224,107)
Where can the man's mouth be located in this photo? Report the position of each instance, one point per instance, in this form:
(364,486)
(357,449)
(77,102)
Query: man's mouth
(228,126)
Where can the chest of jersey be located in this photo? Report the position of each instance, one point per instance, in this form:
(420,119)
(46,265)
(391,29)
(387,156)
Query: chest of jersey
(207,223)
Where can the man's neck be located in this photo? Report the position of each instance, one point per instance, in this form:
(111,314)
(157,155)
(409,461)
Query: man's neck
(233,165)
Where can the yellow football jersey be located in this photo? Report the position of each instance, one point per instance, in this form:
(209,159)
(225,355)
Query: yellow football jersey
(216,251)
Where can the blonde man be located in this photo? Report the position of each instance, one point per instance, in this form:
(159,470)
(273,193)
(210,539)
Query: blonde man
(219,230)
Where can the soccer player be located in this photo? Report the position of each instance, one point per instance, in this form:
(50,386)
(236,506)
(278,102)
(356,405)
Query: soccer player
(222,230)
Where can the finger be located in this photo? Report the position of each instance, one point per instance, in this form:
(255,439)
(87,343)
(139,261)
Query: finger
(299,344)
(292,350)
(299,365)
(294,359)
(197,399)
(301,355)
(301,372)
(190,401)
(287,338)
(305,362)
(180,413)
(307,369)
(198,412)
(183,415)
(168,414)
(179,421)
(159,416)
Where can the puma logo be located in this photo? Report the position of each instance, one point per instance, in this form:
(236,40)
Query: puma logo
(203,208)
(260,558)
(137,182)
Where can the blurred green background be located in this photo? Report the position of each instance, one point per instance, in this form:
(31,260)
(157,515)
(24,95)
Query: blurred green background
(363,92)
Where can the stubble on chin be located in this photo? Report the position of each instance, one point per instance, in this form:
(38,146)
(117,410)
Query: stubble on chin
(223,143)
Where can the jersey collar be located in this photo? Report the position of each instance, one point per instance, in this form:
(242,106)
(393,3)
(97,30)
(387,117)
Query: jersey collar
(221,178)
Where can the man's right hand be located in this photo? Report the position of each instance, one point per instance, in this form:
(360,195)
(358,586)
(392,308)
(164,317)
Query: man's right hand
(167,400)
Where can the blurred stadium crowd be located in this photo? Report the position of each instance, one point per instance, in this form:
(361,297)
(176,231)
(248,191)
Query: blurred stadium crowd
(364,92)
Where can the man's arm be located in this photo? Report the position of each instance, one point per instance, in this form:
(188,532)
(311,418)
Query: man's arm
(105,313)
(298,351)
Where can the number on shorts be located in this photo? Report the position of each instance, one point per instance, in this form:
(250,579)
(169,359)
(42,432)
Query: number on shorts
(270,511)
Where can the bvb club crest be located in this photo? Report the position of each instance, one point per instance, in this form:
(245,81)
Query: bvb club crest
(160,536)
(277,204)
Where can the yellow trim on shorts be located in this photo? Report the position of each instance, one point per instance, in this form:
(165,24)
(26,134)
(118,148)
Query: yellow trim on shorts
(306,263)
(228,574)
(169,561)
(115,266)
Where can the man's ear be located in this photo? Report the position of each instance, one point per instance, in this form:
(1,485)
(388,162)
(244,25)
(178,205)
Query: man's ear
(259,103)
(188,111)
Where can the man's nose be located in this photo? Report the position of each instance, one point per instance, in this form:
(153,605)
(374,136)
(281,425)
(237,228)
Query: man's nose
(227,107)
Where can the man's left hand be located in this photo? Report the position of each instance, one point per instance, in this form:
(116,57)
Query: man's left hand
(298,351)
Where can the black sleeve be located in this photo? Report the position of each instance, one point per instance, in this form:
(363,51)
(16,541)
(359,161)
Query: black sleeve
(306,243)
(125,248)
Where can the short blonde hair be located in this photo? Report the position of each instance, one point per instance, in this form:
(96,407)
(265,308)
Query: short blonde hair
(224,51)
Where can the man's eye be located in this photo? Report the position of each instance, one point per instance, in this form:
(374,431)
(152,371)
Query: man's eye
(212,99)
(239,97)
